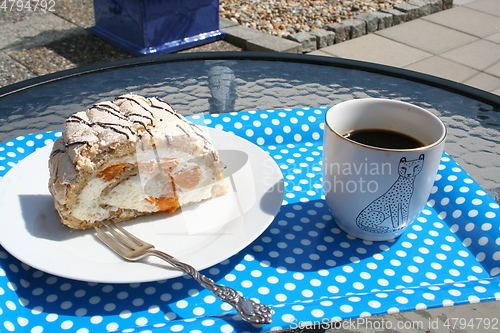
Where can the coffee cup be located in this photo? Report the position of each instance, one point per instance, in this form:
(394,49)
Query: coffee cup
(380,160)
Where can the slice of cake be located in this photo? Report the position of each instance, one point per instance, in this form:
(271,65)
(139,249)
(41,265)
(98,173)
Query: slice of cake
(130,157)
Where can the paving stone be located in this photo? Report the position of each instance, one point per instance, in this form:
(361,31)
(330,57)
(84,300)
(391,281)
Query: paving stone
(217,46)
(226,23)
(371,21)
(494,38)
(375,21)
(484,81)
(444,68)
(322,53)
(307,40)
(41,60)
(377,49)
(253,40)
(398,16)
(427,36)
(357,27)
(268,43)
(324,37)
(467,20)
(36,31)
(435,5)
(79,12)
(342,32)
(447,4)
(13,16)
(486,6)
(479,54)
(238,35)
(423,6)
(70,52)
(412,12)
(385,20)
(12,71)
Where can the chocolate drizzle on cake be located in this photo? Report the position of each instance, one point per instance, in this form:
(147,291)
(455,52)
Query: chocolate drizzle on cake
(171,110)
(151,119)
(108,109)
(111,126)
(131,99)
(77,143)
(57,151)
(182,129)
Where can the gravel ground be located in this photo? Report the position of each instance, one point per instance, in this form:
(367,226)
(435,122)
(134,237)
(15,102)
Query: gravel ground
(284,17)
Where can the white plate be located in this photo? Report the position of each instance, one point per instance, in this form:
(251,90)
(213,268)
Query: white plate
(202,235)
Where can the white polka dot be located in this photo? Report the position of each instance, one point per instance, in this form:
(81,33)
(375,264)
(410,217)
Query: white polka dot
(483,241)
(333,289)
(288,318)
(307,293)
(340,278)
(486,226)
(407,278)
(358,285)
(246,283)
(393,310)
(428,296)
(182,304)
(348,269)
(66,325)
(490,215)
(9,326)
(230,277)
(264,290)
(383,282)
(138,302)
(436,265)
(421,306)
(208,322)
(402,300)
(474,299)
(346,308)
(11,305)
(177,328)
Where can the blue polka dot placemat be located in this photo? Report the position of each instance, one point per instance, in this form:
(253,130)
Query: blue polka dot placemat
(303,264)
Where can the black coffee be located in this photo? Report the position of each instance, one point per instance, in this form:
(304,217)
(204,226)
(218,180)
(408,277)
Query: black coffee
(383,139)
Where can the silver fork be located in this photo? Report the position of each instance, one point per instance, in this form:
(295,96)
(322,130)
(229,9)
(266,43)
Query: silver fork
(132,248)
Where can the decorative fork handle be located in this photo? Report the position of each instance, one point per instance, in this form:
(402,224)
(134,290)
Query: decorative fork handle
(249,310)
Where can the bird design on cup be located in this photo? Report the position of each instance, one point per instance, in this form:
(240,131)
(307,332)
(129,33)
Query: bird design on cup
(394,203)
